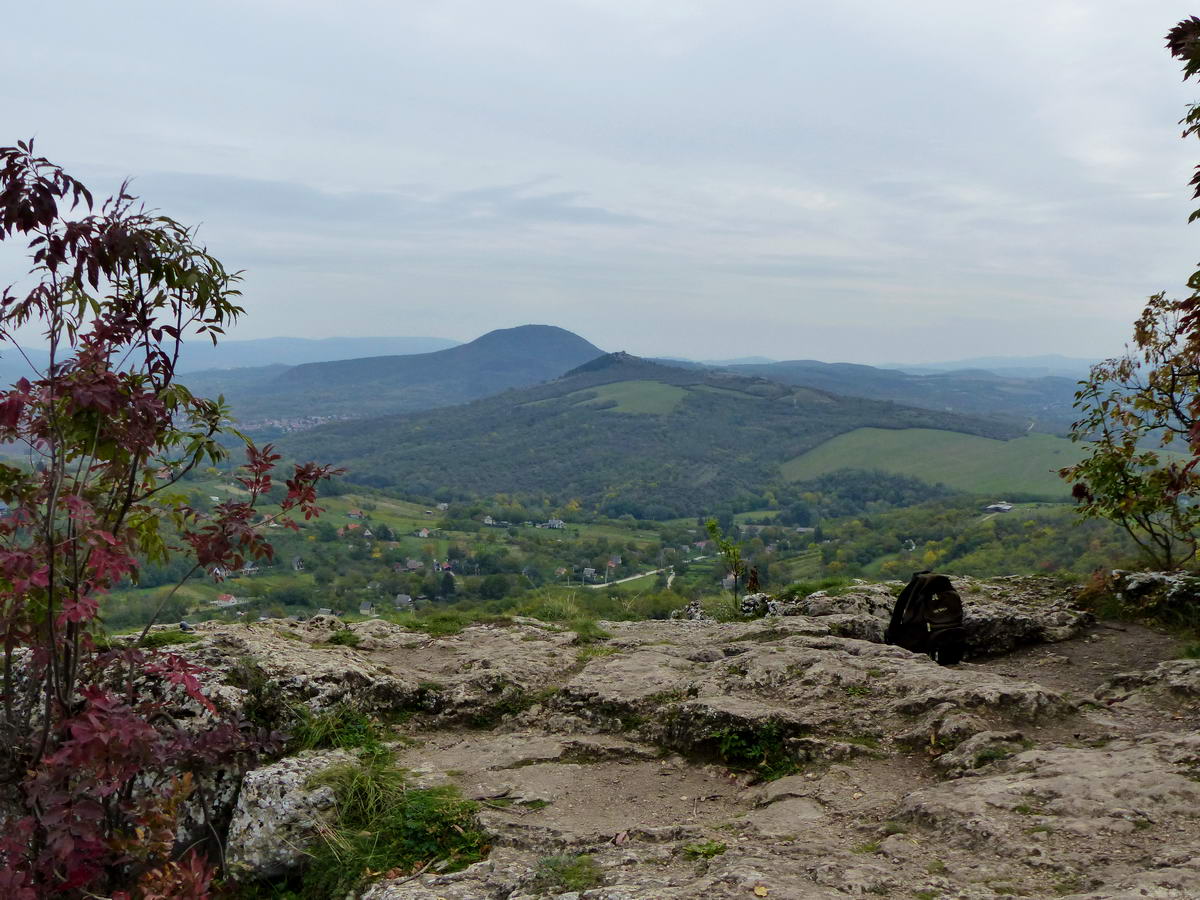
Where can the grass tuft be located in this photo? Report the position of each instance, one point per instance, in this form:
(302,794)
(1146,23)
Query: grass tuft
(567,873)
(705,850)
(342,726)
(386,827)
(157,639)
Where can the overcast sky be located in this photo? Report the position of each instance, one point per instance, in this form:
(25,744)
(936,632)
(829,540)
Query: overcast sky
(861,181)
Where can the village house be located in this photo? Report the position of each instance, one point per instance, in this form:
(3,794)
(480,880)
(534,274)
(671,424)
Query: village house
(356,514)
(423,533)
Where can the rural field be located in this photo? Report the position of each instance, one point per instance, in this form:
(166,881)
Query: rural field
(977,465)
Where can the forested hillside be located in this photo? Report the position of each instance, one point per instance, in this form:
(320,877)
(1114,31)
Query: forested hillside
(619,434)
(1045,402)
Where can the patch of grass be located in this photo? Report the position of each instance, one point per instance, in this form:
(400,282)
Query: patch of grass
(1191,651)
(567,873)
(446,622)
(342,726)
(1142,824)
(384,826)
(804,588)
(705,850)
(867,847)
(858,690)
(894,828)
(990,754)
(1071,884)
(583,654)
(588,632)
(344,638)
(926,895)
(936,867)
(514,702)
(1039,829)
(535,804)
(155,640)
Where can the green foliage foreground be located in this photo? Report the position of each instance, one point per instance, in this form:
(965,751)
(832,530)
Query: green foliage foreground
(384,827)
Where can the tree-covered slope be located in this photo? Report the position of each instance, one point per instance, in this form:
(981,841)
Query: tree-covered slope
(620,433)
(1045,402)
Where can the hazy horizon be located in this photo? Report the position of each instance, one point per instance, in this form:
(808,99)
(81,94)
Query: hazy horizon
(854,182)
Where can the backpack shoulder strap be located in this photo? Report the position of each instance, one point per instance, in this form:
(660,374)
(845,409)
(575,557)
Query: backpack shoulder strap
(905,600)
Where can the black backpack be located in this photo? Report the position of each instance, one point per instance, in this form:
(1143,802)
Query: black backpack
(928,618)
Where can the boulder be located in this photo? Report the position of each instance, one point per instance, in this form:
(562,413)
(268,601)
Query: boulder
(278,814)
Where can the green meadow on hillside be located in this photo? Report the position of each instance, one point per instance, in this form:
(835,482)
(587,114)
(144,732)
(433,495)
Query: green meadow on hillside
(1026,465)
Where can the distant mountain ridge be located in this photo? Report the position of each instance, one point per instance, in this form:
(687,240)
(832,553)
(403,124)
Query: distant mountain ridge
(1048,364)
(290,351)
(620,433)
(380,385)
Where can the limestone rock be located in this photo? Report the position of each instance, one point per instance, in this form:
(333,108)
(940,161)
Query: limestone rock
(1177,679)
(1086,792)
(1000,614)
(277,814)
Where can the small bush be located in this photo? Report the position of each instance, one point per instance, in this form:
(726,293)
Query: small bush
(762,750)
(990,754)
(264,704)
(567,873)
(705,850)
(386,827)
(1191,651)
(345,638)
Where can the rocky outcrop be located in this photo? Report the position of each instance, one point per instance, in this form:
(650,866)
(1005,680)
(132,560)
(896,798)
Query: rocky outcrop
(792,753)
(999,614)
(1177,678)
(278,814)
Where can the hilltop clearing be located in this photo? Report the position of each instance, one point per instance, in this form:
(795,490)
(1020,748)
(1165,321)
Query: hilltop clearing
(795,753)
